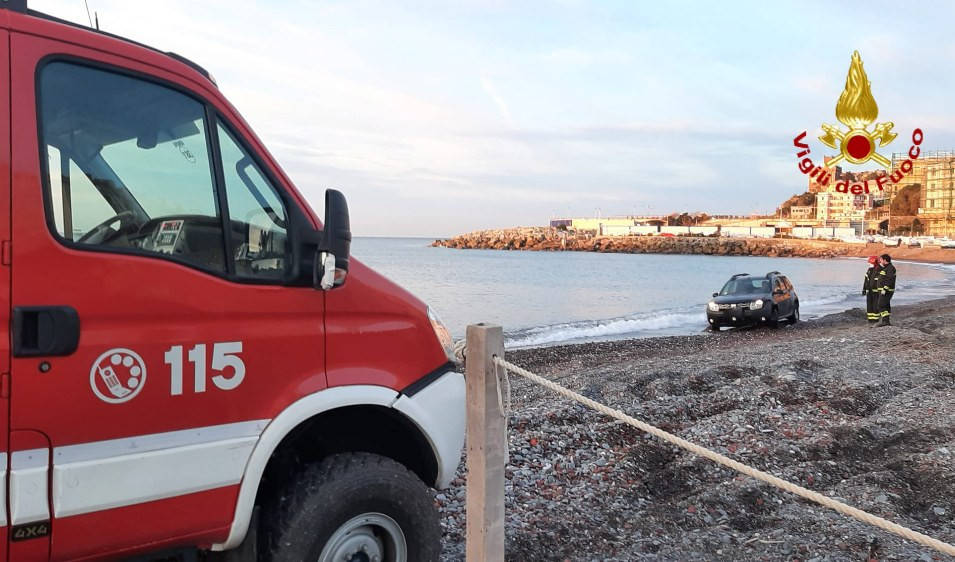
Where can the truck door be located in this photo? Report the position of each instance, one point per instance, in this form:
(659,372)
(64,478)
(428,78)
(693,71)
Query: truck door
(4,289)
(154,334)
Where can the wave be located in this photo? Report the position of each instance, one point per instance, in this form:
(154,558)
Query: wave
(824,300)
(638,324)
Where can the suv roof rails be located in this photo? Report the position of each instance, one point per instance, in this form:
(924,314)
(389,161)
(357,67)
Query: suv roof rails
(739,275)
(21,6)
(774,272)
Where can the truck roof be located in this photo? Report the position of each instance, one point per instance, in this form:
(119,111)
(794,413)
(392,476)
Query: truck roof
(21,7)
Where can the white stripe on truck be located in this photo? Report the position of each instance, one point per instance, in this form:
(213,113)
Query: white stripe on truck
(108,474)
(28,486)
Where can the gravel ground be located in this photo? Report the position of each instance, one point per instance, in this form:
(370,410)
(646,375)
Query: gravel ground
(857,413)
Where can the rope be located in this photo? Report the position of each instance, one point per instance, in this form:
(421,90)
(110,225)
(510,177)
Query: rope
(461,351)
(842,508)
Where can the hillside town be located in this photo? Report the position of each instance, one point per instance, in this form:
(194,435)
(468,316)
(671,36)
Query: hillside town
(921,206)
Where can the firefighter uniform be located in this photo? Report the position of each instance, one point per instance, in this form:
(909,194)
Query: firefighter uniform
(870,288)
(886,290)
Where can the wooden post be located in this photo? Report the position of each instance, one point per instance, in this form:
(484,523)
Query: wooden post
(487,445)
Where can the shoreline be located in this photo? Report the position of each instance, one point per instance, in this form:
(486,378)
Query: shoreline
(703,339)
(853,412)
(932,255)
(662,344)
(701,328)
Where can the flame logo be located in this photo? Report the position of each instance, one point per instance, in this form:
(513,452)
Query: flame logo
(857,110)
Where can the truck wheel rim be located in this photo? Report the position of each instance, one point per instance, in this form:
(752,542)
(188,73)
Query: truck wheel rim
(369,537)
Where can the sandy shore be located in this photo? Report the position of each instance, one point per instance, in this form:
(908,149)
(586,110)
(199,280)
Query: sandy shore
(929,255)
(863,414)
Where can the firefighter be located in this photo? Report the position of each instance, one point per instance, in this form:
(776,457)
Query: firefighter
(870,290)
(886,289)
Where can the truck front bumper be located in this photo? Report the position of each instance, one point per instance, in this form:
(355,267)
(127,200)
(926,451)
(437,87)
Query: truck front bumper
(739,316)
(439,410)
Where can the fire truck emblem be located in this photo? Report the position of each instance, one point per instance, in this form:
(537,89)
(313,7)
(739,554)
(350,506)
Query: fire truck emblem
(118,375)
(857,110)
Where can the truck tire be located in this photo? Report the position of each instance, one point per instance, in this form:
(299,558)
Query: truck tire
(355,506)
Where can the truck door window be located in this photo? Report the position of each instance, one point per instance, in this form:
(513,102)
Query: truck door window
(256,212)
(136,148)
(77,205)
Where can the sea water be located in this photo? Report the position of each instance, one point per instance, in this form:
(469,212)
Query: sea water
(550,298)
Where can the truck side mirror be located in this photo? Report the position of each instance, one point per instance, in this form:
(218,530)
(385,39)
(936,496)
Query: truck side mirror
(331,261)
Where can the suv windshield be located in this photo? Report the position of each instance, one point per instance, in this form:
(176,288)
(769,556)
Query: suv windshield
(746,286)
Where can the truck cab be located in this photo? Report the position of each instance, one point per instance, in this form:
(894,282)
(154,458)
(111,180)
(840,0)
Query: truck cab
(194,362)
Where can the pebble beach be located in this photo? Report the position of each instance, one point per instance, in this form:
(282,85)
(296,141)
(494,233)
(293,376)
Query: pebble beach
(856,413)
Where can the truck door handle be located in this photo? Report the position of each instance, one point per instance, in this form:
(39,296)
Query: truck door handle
(40,331)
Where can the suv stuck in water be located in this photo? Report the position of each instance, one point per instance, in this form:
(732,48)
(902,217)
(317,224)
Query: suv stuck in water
(753,299)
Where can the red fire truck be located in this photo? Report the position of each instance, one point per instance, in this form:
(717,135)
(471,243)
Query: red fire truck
(195,367)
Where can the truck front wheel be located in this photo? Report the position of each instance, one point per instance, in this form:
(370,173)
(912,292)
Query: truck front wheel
(355,507)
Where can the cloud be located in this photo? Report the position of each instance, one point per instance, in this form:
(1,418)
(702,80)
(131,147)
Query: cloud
(590,105)
(570,55)
(498,100)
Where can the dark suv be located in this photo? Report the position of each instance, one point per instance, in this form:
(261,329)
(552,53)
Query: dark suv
(753,299)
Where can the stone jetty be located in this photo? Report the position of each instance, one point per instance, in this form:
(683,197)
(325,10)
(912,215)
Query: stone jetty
(548,239)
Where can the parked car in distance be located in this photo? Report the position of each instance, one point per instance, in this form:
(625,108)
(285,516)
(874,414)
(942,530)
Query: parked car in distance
(753,299)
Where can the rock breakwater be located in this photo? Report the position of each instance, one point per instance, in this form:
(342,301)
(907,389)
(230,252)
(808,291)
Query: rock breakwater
(547,239)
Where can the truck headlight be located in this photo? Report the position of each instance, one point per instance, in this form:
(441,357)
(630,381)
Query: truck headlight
(443,335)
(758,303)
(713,307)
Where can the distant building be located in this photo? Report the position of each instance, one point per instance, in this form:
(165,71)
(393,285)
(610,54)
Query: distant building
(917,175)
(840,209)
(798,212)
(600,225)
(933,172)
(833,173)
(935,200)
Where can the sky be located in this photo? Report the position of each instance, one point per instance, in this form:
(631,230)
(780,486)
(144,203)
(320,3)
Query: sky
(439,117)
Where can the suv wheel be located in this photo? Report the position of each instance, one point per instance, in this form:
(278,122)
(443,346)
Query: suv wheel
(715,327)
(774,319)
(355,506)
(794,317)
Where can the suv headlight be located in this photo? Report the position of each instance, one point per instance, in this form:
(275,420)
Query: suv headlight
(713,307)
(758,303)
(443,335)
